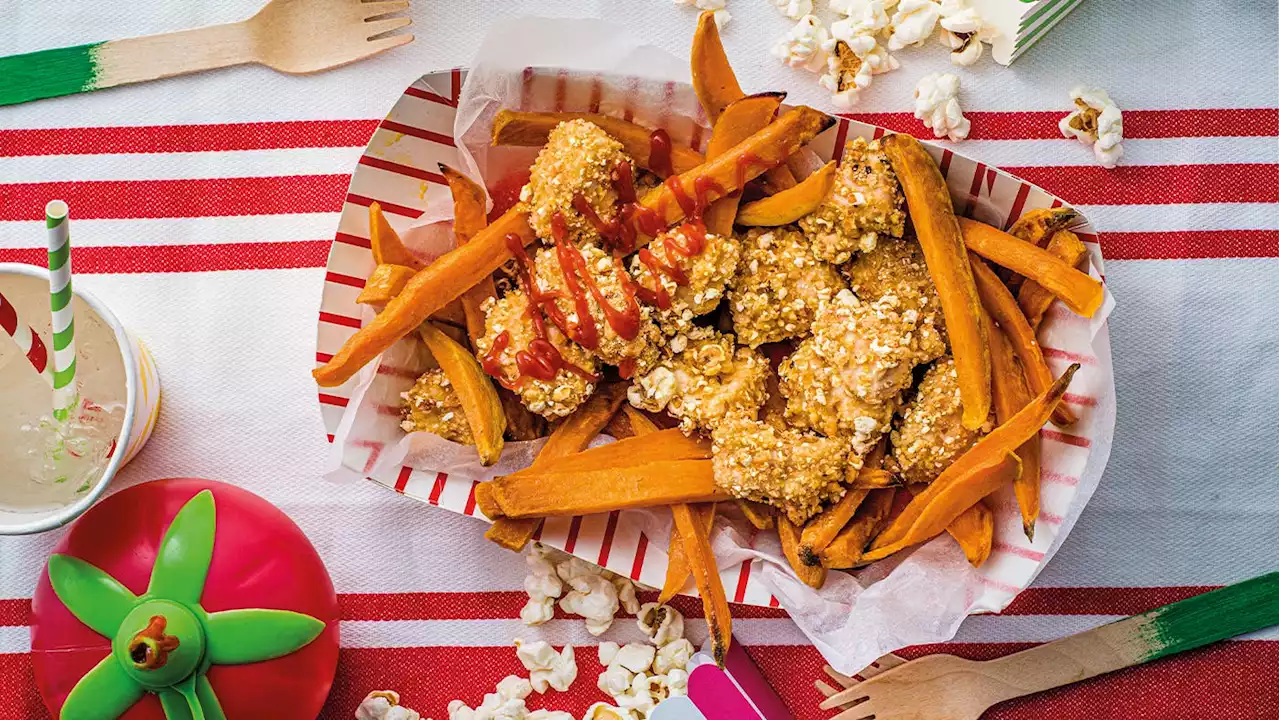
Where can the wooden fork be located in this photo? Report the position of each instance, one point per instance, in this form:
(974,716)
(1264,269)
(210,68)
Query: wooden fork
(292,36)
(945,687)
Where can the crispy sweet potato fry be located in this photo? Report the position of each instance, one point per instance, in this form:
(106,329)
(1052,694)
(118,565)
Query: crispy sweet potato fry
(572,436)
(544,493)
(1033,298)
(429,290)
(845,550)
(792,204)
(813,575)
(385,242)
(489,506)
(640,423)
(999,302)
(697,547)
(662,445)
(385,282)
(716,85)
(973,476)
(678,569)
(823,528)
(530,129)
(469,219)
(760,515)
(1080,292)
(1036,227)
(974,531)
(1011,394)
(475,391)
(929,204)
(740,119)
(874,479)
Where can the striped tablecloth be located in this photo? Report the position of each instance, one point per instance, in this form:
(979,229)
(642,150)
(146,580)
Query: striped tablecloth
(204,207)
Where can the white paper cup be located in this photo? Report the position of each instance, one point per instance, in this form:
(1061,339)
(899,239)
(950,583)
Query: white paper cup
(142,407)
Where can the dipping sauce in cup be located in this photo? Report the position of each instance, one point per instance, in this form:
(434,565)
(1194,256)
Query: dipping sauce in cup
(51,471)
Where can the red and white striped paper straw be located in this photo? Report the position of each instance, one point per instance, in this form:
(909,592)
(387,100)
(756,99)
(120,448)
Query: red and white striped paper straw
(27,339)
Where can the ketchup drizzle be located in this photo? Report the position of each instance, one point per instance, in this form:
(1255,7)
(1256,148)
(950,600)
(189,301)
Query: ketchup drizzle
(660,152)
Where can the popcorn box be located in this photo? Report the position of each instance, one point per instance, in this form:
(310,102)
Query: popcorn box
(1021,23)
(737,692)
(446,117)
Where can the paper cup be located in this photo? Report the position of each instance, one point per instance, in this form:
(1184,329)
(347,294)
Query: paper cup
(142,407)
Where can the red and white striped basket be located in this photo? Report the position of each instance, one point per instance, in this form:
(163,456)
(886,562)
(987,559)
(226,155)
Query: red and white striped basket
(399,171)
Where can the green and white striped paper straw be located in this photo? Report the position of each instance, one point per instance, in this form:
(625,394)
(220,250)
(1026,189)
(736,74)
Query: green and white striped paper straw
(65,394)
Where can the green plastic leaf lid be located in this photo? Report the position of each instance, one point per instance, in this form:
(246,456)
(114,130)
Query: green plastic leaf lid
(163,641)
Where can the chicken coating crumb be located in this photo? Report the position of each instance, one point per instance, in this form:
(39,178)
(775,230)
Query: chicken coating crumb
(706,273)
(579,157)
(897,267)
(779,286)
(792,470)
(705,382)
(553,398)
(865,203)
(432,405)
(930,436)
(606,274)
(847,378)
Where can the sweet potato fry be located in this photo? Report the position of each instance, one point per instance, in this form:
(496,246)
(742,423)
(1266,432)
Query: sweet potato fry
(740,119)
(489,506)
(429,290)
(845,550)
(697,547)
(792,204)
(521,424)
(1080,292)
(929,204)
(1033,298)
(662,445)
(572,436)
(545,493)
(385,242)
(973,476)
(677,561)
(640,423)
(1036,227)
(813,575)
(823,528)
(475,391)
(760,515)
(1011,394)
(874,479)
(530,129)
(385,282)
(974,531)
(619,427)
(716,85)
(469,219)
(999,302)
(727,173)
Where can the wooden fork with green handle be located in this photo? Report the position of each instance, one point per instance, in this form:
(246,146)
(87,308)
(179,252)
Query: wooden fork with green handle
(292,36)
(945,687)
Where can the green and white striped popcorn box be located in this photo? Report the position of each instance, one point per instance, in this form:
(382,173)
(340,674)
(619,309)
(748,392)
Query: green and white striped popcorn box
(1021,23)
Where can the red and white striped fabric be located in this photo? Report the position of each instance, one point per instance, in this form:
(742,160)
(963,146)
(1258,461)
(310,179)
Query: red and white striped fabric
(205,208)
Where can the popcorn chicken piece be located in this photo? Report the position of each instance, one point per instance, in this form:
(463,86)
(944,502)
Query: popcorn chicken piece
(897,267)
(579,158)
(432,405)
(510,317)
(707,381)
(703,275)
(779,286)
(865,203)
(929,435)
(598,271)
(847,378)
(792,470)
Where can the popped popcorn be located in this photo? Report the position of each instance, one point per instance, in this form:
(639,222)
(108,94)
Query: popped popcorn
(640,697)
(635,657)
(807,45)
(865,18)
(661,623)
(673,656)
(595,599)
(678,681)
(605,711)
(939,108)
(514,686)
(964,31)
(548,715)
(384,705)
(542,584)
(854,7)
(607,651)
(1097,122)
(546,667)
(913,23)
(626,593)
(795,9)
(615,680)
(850,67)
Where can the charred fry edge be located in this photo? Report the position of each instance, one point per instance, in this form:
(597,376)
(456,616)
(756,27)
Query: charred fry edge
(706,577)
(812,574)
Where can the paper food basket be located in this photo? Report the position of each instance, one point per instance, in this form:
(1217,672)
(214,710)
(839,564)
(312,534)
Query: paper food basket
(854,619)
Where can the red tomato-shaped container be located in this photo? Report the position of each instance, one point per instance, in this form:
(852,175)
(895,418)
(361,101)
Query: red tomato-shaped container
(260,559)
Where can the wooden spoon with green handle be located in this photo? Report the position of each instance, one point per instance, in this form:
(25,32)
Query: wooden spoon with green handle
(945,687)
